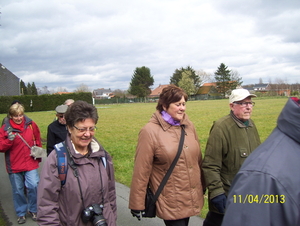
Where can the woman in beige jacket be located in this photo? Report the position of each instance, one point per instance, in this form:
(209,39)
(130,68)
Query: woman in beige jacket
(182,196)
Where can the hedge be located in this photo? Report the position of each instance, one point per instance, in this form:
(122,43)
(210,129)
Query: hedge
(43,102)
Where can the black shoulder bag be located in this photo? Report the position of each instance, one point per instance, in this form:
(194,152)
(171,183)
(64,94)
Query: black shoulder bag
(150,200)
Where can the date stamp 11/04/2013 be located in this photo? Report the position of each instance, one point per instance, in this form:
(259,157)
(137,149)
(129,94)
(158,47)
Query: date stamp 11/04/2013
(264,198)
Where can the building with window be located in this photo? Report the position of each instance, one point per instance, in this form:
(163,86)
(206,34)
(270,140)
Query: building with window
(9,83)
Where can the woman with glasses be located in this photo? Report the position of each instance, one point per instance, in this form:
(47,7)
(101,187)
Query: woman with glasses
(21,167)
(89,181)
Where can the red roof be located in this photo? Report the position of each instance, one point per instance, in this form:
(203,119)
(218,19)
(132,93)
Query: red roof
(210,84)
(158,90)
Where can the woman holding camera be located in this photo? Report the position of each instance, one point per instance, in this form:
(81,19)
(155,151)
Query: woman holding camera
(21,167)
(182,195)
(87,196)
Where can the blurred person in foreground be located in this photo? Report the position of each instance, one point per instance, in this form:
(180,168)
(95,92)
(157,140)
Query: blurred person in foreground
(266,190)
(231,140)
(21,167)
(95,185)
(68,102)
(182,196)
(57,130)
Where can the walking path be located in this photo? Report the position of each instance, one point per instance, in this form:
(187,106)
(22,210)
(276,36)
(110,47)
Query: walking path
(124,216)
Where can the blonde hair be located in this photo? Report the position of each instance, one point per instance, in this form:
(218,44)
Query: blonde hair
(16,109)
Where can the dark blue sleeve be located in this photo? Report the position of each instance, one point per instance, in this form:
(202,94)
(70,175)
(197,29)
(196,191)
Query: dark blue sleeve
(257,198)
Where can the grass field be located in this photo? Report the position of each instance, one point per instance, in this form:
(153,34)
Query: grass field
(119,125)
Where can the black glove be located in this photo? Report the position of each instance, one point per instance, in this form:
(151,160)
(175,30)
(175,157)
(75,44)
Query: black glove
(220,202)
(137,213)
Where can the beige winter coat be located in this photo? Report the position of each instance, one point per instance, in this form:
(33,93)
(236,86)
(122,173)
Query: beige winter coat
(157,146)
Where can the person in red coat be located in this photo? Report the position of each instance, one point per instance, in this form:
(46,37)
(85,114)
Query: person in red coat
(21,167)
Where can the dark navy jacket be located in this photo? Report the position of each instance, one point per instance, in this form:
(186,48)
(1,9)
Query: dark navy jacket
(56,133)
(266,190)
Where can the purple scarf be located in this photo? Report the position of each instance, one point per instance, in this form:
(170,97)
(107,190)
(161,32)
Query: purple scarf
(168,118)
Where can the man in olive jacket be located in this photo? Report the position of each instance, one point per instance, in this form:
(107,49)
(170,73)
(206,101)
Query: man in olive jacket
(231,140)
(266,191)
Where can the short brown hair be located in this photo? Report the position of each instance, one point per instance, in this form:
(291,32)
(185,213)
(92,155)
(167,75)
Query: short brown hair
(80,111)
(170,94)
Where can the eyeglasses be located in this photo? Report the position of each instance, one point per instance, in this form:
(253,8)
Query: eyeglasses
(60,116)
(84,130)
(245,104)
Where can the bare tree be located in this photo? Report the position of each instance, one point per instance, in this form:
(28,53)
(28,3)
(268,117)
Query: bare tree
(43,90)
(270,81)
(119,93)
(204,76)
(82,88)
(279,81)
(62,89)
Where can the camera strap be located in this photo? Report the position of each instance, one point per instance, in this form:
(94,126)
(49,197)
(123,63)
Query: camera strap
(64,159)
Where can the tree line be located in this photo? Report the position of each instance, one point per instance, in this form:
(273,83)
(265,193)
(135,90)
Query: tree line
(187,79)
(30,89)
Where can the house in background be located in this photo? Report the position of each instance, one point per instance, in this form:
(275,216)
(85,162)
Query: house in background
(249,88)
(9,83)
(102,93)
(207,91)
(262,87)
(280,89)
(157,91)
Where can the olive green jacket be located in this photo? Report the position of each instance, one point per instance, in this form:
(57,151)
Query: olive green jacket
(230,142)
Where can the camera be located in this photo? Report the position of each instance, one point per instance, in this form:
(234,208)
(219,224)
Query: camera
(94,214)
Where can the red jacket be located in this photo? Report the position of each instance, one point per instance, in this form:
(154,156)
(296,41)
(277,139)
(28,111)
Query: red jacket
(17,153)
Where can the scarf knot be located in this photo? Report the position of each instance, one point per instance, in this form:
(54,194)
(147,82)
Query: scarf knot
(168,118)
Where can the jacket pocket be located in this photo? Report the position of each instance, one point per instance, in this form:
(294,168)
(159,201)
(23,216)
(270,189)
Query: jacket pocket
(244,153)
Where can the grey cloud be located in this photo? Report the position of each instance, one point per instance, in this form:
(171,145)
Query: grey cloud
(100,43)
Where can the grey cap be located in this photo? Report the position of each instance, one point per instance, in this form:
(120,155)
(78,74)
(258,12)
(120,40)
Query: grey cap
(61,109)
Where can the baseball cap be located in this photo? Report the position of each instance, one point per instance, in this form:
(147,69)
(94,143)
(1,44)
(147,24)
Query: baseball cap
(61,109)
(239,94)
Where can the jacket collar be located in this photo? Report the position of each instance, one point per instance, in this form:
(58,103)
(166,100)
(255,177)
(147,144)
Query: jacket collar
(165,126)
(7,124)
(94,147)
(239,122)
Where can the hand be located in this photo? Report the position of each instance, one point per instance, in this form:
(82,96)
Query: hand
(137,213)
(10,135)
(220,202)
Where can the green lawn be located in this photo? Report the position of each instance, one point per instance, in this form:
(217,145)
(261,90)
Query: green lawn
(119,125)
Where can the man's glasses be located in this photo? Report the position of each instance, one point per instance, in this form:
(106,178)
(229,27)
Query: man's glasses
(84,130)
(245,104)
(60,116)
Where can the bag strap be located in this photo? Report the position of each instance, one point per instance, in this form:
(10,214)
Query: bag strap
(23,140)
(63,158)
(62,161)
(168,174)
(33,137)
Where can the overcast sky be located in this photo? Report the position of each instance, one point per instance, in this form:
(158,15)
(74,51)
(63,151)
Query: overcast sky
(99,43)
